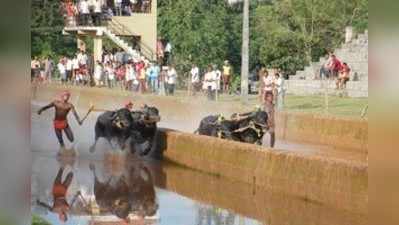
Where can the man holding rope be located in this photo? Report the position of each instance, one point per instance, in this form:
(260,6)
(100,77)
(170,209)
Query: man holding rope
(62,108)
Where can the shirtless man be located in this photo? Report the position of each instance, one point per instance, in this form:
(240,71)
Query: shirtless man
(62,108)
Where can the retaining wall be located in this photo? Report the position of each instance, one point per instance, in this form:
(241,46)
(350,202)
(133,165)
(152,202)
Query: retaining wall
(337,183)
(345,134)
(245,199)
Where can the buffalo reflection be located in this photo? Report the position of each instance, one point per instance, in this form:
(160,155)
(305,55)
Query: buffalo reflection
(130,193)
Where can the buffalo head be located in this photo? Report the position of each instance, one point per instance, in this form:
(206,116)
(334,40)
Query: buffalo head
(122,119)
(150,115)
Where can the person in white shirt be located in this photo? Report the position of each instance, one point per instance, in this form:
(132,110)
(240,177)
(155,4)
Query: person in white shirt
(69,69)
(62,70)
(118,7)
(269,85)
(195,79)
(75,67)
(279,82)
(130,76)
(98,72)
(218,75)
(167,53)
(97,5)
(171,80)
(210,83)
(84,12)
(110,75)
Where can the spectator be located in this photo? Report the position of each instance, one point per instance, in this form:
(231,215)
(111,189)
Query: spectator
(130,76)
(140,69)
(344,76)
(195,79)
(262,74)
(160,51)
(75,66)
(118,7)
(98,73)
(210,83)
(35,68)
(84,12)
(167,53)
(171,80)
(162,80)
(279,85)
(62,71)
(335,66)
(110,75)
(226,76)
(269,82)
(153,77)
(218,75)
(69,69)
(97,12)
(48,68)
(269,108)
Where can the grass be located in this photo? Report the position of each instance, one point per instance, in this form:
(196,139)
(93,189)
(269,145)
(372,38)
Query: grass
(315,104)
(37,220)
(337,106)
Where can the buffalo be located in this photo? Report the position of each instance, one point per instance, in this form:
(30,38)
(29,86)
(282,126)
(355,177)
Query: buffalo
(248,127)
(113,125)
(138,128)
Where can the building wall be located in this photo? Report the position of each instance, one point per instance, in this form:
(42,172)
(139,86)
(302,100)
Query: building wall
(144,25)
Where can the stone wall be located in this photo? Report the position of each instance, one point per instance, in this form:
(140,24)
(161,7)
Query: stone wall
(335,183)
(355,53)
(343,134)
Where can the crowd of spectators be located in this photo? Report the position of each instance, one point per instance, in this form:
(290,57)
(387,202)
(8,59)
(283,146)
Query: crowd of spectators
(93,12)
(42,69)
(213,80)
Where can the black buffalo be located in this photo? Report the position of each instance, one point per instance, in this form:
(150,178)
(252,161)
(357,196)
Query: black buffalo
(249,127)
(113,126)
(138,128)
(143,130)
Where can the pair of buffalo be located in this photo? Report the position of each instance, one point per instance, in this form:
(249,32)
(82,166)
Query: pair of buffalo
(248,127)
(133,129)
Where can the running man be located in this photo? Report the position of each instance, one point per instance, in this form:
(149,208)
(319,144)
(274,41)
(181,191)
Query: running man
(62,108)
(60,189)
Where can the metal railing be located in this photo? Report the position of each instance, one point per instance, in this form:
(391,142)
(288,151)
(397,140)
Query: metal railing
(118,28)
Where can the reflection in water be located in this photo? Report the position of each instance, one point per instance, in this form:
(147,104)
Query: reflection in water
(131,193)
(60,203)
(210,215)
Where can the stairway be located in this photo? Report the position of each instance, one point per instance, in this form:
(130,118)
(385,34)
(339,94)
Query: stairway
(122,44)
(354,53)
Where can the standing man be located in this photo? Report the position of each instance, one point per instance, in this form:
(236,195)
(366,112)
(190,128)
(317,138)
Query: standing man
(62,109)
(195,79)
(167,53)
(279,84)
(69,69)
(172,77)
(210,83)
(84,12)
(269,109)
(226,76)
(48,69)
(62,71)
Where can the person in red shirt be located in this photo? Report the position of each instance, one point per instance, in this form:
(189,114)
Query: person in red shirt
(344,76)
(335,66)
